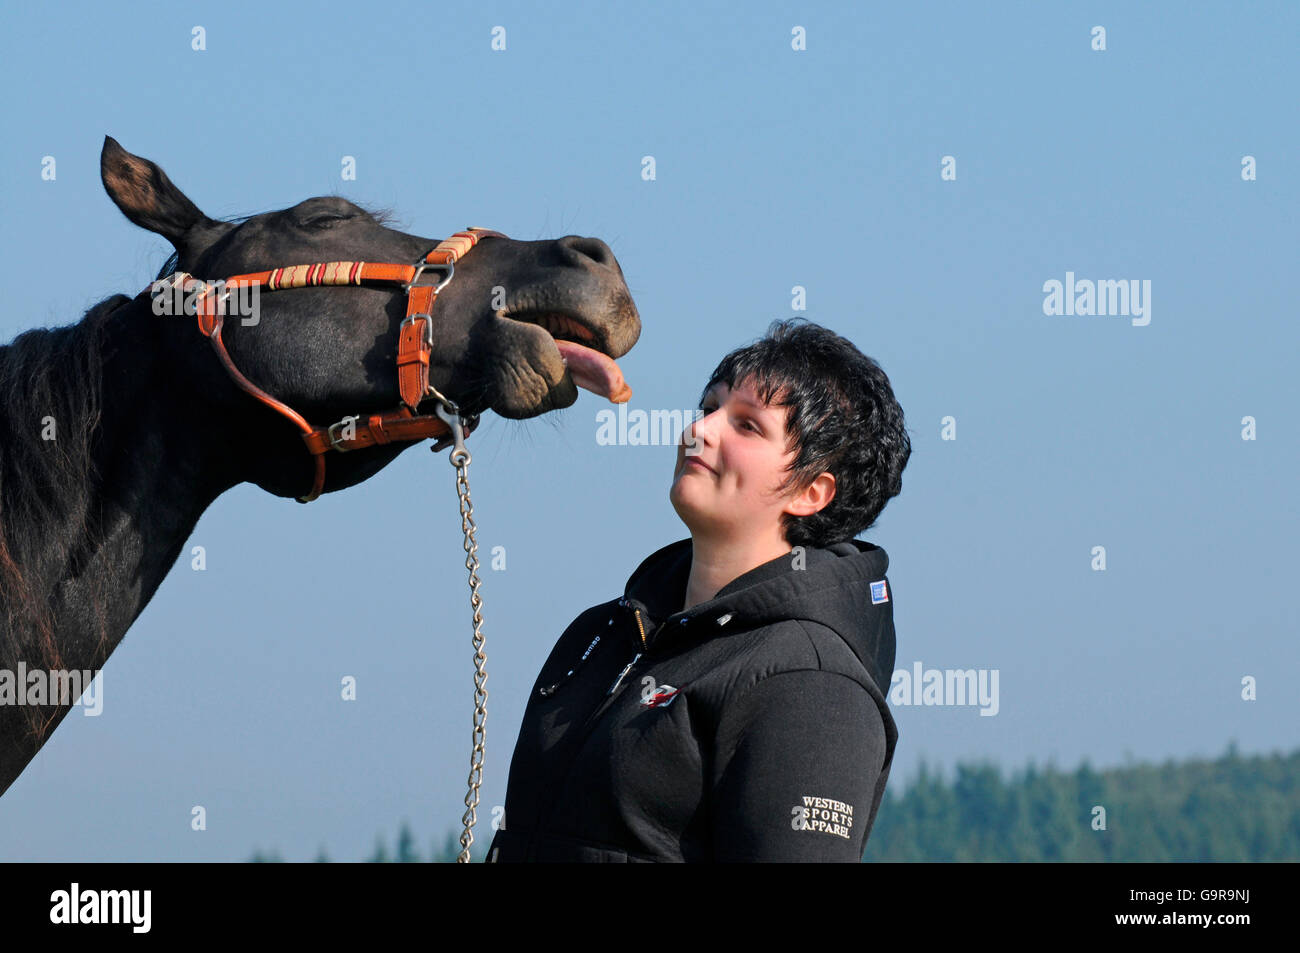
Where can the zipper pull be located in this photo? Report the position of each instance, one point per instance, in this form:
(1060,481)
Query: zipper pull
(621,675)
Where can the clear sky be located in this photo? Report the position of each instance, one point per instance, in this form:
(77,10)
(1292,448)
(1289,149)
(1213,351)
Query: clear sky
(821,168)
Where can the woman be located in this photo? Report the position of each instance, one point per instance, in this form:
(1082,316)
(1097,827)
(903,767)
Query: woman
(731,705)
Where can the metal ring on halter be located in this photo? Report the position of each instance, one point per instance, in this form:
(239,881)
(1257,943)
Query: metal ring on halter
(431,391)
(422,266)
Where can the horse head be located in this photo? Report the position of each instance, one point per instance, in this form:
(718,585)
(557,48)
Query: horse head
(522,326)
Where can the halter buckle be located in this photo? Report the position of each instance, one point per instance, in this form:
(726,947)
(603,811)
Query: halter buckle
(336,441)
(428,326)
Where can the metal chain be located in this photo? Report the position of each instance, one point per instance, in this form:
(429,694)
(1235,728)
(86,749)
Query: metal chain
(460,458)
(480,661)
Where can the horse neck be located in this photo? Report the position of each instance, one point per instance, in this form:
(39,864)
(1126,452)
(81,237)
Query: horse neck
(150,476)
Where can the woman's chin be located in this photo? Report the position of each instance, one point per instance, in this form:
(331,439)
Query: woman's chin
(681,503)
(695,516)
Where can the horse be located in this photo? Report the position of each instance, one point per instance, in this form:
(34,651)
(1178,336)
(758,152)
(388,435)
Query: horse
(118,431)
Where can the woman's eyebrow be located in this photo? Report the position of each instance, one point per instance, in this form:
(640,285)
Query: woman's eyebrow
(760,407)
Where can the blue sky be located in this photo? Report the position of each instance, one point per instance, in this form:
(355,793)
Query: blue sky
(774,168)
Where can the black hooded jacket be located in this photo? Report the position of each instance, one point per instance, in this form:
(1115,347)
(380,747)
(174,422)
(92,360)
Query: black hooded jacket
(752,727)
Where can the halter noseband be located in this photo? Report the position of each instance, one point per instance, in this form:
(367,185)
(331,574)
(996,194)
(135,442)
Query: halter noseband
(414,344)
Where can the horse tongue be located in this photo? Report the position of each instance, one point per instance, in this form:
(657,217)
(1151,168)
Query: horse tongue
(594,371)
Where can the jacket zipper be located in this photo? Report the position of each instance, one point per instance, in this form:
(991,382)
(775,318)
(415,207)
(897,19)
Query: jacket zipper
(639,627)
(628,667)
(601,708)
(609,694)
(547,690)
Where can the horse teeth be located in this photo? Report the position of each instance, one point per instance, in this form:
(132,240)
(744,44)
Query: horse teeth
(555,323)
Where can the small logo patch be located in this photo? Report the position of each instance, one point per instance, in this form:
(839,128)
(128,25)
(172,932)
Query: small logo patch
(879,592)
(822,814)
(657,696)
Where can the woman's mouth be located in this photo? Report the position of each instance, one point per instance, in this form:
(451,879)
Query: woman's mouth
(697,462)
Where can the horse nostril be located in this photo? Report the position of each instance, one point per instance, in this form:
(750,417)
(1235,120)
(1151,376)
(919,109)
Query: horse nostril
(576,248)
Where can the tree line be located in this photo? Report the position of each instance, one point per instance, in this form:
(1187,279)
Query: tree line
(1226,810)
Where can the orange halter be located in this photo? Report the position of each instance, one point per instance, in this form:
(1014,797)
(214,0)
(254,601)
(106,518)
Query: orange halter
(414,344)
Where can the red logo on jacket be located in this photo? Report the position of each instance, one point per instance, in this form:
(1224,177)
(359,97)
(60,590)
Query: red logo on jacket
(656,696)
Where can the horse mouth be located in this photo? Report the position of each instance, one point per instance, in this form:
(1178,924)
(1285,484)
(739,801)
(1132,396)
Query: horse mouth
(560,326)
(584,351)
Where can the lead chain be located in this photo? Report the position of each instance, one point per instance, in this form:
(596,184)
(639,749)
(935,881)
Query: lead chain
(460,458)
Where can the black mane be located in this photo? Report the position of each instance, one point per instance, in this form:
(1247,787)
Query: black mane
(50,383)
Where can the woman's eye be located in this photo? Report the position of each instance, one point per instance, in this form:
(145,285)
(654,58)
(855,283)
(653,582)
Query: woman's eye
(708,409)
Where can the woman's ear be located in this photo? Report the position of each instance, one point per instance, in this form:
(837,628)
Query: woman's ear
(815,496)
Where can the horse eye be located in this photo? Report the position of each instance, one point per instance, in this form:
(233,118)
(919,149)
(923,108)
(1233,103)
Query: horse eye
(325,221)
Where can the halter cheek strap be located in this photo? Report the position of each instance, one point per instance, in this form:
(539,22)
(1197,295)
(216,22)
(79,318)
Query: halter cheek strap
(414,344)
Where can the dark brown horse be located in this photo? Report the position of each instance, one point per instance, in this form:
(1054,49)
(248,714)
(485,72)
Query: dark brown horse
(117,432)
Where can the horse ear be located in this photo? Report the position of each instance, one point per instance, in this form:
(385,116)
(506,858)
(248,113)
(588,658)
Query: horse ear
(145,195)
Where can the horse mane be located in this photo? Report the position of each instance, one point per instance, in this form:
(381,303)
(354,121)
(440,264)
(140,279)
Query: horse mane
(50,385)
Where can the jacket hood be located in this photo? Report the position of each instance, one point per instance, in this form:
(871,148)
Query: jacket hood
(842,587)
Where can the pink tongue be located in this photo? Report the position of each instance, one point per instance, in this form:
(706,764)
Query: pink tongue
(594,371)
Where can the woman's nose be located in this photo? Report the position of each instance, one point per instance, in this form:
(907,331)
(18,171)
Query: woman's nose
(699,431)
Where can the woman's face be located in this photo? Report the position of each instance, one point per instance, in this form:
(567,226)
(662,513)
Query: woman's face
(738,454)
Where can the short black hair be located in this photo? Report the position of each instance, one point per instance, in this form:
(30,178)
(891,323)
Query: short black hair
(843,419)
